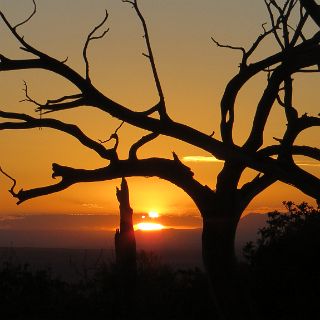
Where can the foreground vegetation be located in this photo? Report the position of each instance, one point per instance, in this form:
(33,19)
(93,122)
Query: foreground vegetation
(161,293)
(285,264)
(282,271)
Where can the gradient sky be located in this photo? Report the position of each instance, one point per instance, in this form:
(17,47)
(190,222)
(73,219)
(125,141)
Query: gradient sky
(193,72)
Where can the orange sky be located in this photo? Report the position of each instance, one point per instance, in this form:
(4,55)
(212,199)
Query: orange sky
(193,72)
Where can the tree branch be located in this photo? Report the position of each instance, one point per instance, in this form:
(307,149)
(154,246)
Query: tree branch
(251,189)
(297,126)
(11,190)
(228,46)
(91,37)
(56,104)
(255,139)
(301,56)
(247,53)
(298,32)
(29,18)
(116,138)
(274,23)
(113,134)
(173,129)
(30,122)
(297,177)
(55,107)
(313,10)
(275,150)
(296,60)
(281,73)
(25,46)
(304,181)
(289,172)
(28,98)
(49,64)
(256,162)
(145,139)
(161,106)
(169,170)
(44,62)
(96,99)
(260,38)
(237,82)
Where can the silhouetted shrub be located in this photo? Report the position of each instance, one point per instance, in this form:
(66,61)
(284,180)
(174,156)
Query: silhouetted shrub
(161,292)
(285,263)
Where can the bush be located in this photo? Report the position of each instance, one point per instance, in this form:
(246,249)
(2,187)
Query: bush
(161,292)
(285,263)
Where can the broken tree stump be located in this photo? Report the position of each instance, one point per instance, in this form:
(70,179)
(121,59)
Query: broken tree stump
(125,242)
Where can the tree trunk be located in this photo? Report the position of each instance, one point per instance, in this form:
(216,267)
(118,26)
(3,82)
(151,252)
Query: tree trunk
(125,243)
(228,286)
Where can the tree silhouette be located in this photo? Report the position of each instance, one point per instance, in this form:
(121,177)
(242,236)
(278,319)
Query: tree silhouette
(300,224)
(285,263)
(222,207)
(312,9)
(125,242)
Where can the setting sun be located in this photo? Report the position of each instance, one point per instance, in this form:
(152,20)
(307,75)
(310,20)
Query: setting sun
(153,214)
(148,226)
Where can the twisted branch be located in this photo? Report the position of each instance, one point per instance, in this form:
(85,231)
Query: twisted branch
(91,37)
(246,54)
(11,190)
(301,56)
(29,18)
(162,168)
(29,122)
(145,139)
(161,106)
(306,151)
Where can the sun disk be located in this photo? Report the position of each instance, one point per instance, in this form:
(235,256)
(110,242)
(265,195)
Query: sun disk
(153,214)
(148,226)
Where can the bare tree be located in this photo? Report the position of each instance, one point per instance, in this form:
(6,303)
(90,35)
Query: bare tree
(222,207)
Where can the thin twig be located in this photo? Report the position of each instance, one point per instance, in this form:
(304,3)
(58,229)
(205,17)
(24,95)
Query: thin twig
(273,22)
(29,18)
(113,135)
(91,37)
(28,98)
(25,45)
(150,56)
(64,98)
(228,46)
(29,122)
(11,190)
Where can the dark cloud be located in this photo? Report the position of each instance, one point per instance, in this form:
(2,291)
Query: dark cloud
(59,222)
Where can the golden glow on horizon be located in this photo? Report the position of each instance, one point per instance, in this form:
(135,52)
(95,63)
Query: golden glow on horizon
(148,226)
(201,159)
